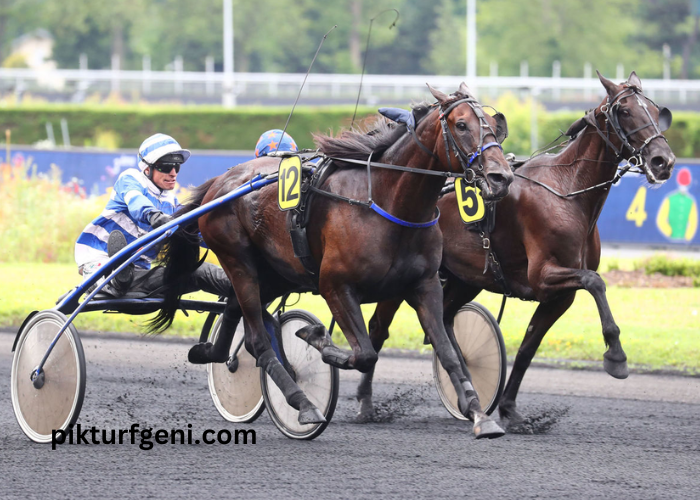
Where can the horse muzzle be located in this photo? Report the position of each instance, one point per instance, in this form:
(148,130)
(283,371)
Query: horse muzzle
(495,185)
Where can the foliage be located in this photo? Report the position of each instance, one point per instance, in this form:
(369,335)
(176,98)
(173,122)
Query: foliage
(672,267)
(39,218)
(274,35)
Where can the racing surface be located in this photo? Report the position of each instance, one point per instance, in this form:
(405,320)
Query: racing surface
(593,437)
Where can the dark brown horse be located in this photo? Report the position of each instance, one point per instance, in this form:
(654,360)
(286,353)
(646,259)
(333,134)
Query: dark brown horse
(548,244)
(361,256)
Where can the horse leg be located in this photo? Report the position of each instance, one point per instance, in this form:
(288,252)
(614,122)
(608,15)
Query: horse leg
(456,293)
(218,352)
(614,359)
(378,333)
(257,339)
(345,307)
(554,280)
(545,316)
(427,301)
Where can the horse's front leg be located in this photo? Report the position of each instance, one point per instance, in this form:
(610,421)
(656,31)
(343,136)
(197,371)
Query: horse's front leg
(554,280)
(378,333)
(427,301)
(218,352)
(345,307)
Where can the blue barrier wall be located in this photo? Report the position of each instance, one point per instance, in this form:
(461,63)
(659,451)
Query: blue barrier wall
(635,212)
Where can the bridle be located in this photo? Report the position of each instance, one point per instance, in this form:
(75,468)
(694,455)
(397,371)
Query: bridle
(610,109)
(451,145)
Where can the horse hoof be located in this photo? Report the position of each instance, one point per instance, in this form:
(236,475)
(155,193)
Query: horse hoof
(198,354)
(315,335)
(488,429)
(366,412)
(617,369)
(311,415)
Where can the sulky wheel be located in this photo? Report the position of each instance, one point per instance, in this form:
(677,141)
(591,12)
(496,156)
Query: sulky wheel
(479,337)
(55,405)
(235,385)
(318,380)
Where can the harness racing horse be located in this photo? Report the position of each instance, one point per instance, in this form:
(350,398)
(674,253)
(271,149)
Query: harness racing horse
(547,242)
(391,251)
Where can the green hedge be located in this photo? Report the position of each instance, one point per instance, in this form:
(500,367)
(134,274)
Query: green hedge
(239,129)
(194,128)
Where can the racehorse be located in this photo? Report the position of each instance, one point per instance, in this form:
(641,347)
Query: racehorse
(547,242)
(361,255)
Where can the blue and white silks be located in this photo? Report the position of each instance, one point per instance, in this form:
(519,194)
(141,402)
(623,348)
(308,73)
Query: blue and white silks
(132,201)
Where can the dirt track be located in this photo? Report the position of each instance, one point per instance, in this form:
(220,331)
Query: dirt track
(638,438)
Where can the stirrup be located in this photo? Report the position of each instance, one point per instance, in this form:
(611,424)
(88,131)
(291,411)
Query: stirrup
(122,281)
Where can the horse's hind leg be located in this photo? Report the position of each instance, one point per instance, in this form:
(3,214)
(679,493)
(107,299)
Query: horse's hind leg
(218,352)
(427,301)
(257,339)
(545,316)
(378,333)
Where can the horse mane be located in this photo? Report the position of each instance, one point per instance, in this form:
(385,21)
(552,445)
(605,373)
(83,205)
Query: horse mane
(374,136)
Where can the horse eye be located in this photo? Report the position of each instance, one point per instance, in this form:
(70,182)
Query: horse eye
(461,126)
(624,112)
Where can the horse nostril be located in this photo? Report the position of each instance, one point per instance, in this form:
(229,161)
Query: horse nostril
(497,180)
(658,162)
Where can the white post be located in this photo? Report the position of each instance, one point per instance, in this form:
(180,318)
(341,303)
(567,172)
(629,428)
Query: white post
(667,68)
(83,62)
(178,66)
(64,133)
(146,67)
(620,73)
(556,79)
(534,130)
(524,69)
(229,97)
(471,44)
(587,72)
(493,73)
(209,68)
(115,71)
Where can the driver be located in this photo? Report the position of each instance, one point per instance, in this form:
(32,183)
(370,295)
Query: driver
(142,199)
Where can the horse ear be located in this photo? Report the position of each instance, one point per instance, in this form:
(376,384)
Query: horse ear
(609,85)
(634,80)
(463,89)
(440,96)
(501,127)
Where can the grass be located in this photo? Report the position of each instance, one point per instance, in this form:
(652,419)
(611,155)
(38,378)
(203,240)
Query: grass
(660,327)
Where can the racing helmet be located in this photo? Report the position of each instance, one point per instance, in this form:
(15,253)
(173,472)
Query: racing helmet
(158,147)
(270,141)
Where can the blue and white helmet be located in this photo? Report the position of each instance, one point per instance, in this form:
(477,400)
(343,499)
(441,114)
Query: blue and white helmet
(156,147)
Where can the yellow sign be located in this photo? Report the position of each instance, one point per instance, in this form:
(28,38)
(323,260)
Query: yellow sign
(470,202)
(289,183)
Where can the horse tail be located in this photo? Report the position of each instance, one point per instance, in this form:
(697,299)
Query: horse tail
(180,258)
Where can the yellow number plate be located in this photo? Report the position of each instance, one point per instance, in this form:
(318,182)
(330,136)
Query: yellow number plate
(470,203)
(289,183)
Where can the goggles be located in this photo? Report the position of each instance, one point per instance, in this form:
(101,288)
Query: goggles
(166,168)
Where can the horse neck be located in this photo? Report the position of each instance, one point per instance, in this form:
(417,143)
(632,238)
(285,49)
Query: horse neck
(410,196)
(592,163)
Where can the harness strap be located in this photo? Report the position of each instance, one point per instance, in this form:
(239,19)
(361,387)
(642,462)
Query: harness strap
(422,146)
(401,222)
(399,167)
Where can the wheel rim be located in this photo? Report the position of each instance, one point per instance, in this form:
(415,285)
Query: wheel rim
(237,396)
(57,404)
(479,338)
(318,380)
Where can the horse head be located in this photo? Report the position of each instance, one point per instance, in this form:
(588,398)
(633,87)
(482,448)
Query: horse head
(474,137)
(639,125)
